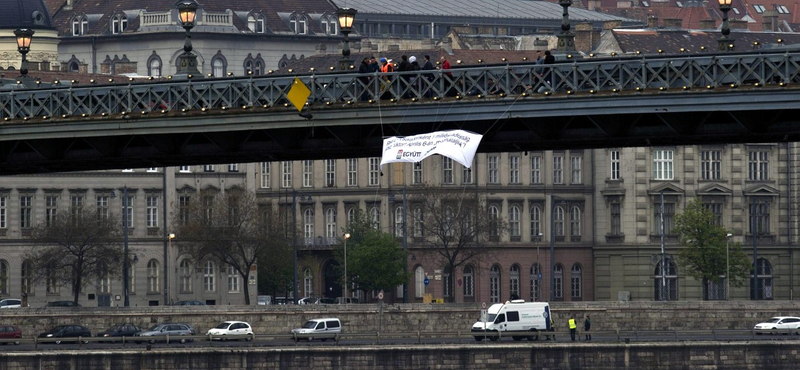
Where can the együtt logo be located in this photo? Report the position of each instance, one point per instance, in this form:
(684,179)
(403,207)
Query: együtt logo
(401,154)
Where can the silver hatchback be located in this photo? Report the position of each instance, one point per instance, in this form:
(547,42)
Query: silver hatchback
(160,333)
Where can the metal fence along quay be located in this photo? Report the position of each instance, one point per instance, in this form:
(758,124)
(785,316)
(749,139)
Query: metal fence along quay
(508,81)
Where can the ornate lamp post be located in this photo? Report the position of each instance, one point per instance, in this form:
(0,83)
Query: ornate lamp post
(346,236)
(566,39)
(187,62)
(725,42)
(346,17)
(24,36)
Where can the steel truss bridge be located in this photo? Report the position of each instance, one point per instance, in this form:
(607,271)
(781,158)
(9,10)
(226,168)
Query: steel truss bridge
(587,103)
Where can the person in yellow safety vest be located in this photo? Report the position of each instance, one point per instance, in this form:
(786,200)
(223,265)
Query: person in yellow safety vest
(573,327)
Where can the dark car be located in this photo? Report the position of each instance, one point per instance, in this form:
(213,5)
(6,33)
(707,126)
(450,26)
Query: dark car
(10,332)
(189,303)
(120,330)
(62,332)
(62,304)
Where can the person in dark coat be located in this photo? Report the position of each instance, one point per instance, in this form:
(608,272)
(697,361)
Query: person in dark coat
(363,69)
(587,324)
(373,65)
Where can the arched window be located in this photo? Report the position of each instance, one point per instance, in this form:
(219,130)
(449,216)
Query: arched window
(154,65)
(764,284)
(375,214)
(536,223)
(259,66)
(513,222)
(536,283)
(398,222)
(104,283)
(575,221)
(233,280)
(218,66)
(559,221)
(80,24)
(249,66)
(209,275)
(308,224)
(329,25)
(513,281)
(119,22)
(494,284)
(418,223)
(27,277)
(74,67)
(186,276)
(330,222)
(4,276)
(419,279)
(351,214)
(255,22)
(469,282)
(494,224)
(558,281)
(308,283)
(576,282)
(298,24)
(153,285)
(671,282)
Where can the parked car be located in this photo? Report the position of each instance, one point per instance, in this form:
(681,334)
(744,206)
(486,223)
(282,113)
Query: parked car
(321,329)
(782,324)
(62,304)
(11,303)
(236,329)
(120,330)
(264,300)
(345,300)
(10,332)
(161,331)
(311,300)
(62,332)
(188,303)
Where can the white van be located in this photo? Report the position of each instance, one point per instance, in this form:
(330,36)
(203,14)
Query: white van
(517,318)
(318,328)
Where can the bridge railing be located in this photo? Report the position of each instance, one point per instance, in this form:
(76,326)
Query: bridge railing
(510,80)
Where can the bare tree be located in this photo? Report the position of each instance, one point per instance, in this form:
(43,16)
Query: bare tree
(455,226)
(233,230)
(75,248)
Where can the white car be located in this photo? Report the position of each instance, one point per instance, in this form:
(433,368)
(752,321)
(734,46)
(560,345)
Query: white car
(322,329)
(781,324)
(233,330)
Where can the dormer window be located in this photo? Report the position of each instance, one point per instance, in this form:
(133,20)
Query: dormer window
(759,8)
(298,24)
(80,24)
(329,25)
(256,23)
(119,22)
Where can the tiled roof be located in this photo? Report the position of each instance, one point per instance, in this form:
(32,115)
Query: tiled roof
(649,41)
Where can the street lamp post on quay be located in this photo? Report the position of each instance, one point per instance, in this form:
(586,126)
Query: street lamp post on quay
(728,266)
(187,61)
(725,42)
(346,236)
(170,236)
(346,17)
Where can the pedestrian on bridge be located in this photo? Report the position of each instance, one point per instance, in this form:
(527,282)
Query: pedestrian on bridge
(587,324)
(573,327)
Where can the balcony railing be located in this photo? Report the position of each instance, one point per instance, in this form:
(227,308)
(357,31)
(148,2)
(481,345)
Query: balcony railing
(509,82)
(217,19)
(156,19)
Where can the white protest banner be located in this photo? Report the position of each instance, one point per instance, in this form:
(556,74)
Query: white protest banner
(459,145)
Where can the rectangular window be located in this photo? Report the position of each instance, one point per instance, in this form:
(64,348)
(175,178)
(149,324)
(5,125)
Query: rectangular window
(286,174)
(716,209)
(185,169)
(76,206)
(25,211)
(492,166)
(352,172)
(51,209)
(616,219)
(308,174)
(758,165)
(614,159)
(330,173)
(759,218)
(152,211)
(128,211)
(3,212)
(233,167)
(447,170)
(374,170)
(417,172)
(558,169)
(208,168)
(183,209)
(233,280)
(101,203)
(576,167)
(710,164)
(265,179)
(536,170)
(662,165)
(466,174)
(669,212)
(513,169)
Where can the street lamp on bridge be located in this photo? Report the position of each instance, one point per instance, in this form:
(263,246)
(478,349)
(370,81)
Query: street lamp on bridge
(725,42)
(187,62)
(346,17)
(566,39)
(24,36)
